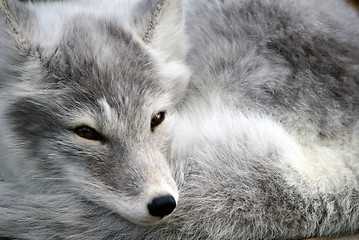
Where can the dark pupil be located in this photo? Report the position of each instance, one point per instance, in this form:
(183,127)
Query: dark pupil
(157,120)
(88,133)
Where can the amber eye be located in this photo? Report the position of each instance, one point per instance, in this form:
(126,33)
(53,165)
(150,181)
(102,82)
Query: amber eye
(157,120)
(88,133)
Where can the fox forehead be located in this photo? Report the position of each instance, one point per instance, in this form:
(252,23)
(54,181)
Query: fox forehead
(104,49)
(111,62)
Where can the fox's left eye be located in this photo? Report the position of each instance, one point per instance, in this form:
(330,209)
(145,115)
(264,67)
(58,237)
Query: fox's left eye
(88,133)
(157,120)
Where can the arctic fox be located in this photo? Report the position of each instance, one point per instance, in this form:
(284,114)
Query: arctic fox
(163,119)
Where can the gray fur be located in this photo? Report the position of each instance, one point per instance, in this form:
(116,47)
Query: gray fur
(262,144)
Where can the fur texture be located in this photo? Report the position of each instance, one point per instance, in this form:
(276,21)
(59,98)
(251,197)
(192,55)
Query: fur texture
(261,142)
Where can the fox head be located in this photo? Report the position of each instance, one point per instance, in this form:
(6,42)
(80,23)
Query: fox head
(90,88)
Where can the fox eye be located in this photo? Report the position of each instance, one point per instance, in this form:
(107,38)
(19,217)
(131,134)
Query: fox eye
(88,133)
(157,120)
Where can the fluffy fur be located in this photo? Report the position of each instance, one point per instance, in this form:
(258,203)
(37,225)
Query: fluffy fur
(262,141)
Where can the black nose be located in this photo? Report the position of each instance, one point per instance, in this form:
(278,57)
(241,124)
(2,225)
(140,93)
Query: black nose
(162,206)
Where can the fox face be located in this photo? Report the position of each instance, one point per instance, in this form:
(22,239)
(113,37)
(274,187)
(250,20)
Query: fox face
(92,105)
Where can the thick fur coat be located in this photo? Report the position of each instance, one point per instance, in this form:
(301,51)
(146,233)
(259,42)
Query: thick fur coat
(245,112)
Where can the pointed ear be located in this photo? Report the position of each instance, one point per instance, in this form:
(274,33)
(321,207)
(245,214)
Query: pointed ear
(16,21)
(164,29)
(14,46)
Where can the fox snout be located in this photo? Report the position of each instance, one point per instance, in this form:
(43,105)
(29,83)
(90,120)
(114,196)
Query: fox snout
(162,206)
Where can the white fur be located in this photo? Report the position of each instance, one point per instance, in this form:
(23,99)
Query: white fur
(52,16)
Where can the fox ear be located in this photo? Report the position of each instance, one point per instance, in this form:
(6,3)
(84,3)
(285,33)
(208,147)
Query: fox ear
(16,24)
(164,28)
(14,43)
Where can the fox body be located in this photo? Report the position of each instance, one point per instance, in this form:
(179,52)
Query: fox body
(241,114)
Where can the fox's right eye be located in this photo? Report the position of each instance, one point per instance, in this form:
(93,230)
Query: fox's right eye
(88,133)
